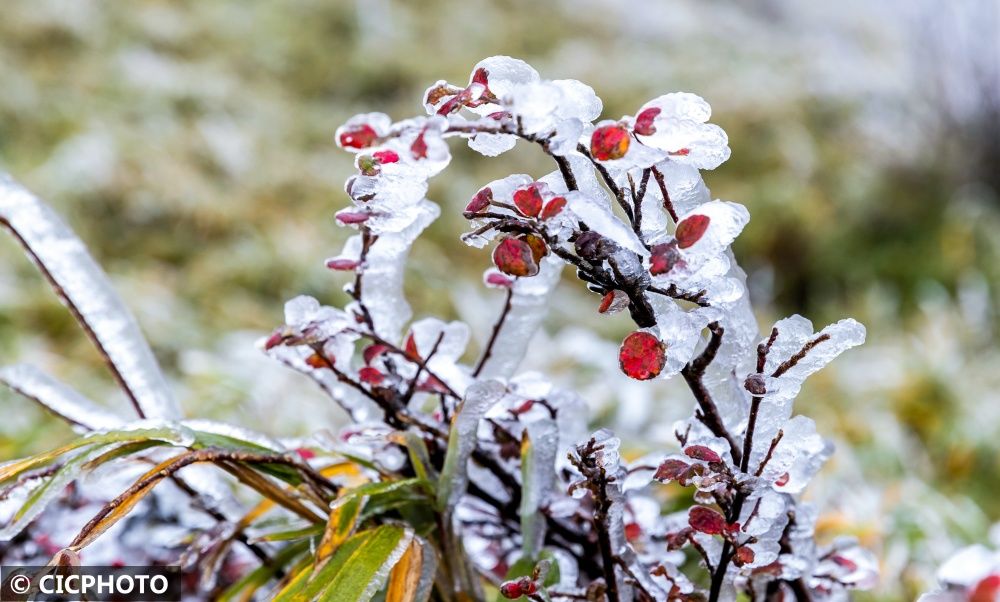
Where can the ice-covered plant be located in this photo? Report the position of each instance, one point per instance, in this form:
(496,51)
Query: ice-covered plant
(455,478)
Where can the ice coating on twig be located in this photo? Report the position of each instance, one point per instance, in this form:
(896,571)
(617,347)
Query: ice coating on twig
(85,289)
(60,399)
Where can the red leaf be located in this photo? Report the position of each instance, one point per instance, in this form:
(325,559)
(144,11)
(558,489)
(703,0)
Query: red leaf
(317,361)
(371,375)
(642,356)
(353,217)
(606,302)
(515,258)
(411,348)
(359,136)
(672,469)
(986,590)
(705,454)
(305,453)
(373,351)
(481,201)
(341,265)
(644,122)
(419,146)
(481,76)
(528,200)
(494,278)
(744,555)
(386,156)
(553,208)
(690,230)
(609,142)
(538,247)
(783,480)
(663,258)
(633,531)
(706,520)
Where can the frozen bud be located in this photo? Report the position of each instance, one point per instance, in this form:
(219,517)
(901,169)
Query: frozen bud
(744,555)
(613,302)
(367,165)
(495,279)
(783,480)
(528,200)
(755,384)
(644,122)
(642,356)
(677,540)
(690,230)
(515,257)
(511,590)
(527,585)
(481,201)
(663,258)
(342,265)
(609,142)
(358,136)
(593,247)
(705,520)
(277,338)
(672,469)
(705,454)
(305,453)
(553,208)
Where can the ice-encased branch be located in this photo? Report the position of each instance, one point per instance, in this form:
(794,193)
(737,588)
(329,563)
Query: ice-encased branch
(86,291)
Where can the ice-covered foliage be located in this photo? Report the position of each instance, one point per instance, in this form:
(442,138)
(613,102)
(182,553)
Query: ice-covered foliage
(488,464)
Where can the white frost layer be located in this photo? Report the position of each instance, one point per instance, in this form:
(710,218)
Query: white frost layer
(57,397)
(84,287)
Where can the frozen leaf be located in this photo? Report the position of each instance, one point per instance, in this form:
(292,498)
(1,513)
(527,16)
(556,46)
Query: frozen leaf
(613,302)
(479,398)
(663,257)
(642,356)
(85,289)
(705,520)
(691,229)
(528,200)
(672,469)
(515,258)
(362,131)
(57,397)
(553,208)
(539,444)
(703,453)
(676,123)
(609,142)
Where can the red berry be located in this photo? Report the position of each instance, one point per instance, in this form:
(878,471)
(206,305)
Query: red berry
(609,142)
(644,122)
(358,136)
(632,531)
(528,200)
(705,454)
(553,208)
(705,520)
(642,356)
(690,230)
(515,258)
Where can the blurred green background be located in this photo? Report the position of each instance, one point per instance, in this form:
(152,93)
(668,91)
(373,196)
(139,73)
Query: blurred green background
(191,145)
